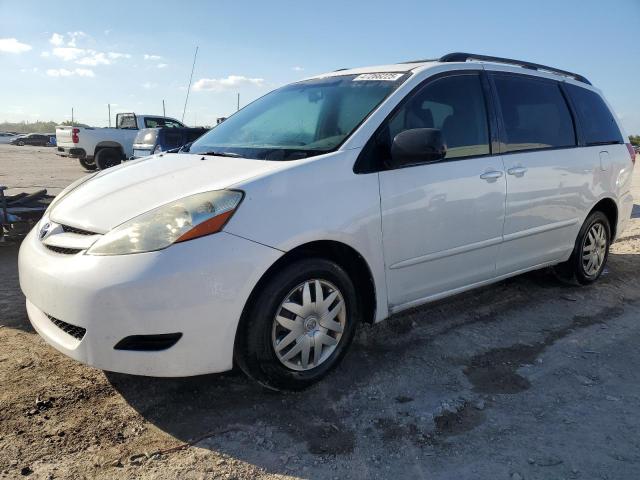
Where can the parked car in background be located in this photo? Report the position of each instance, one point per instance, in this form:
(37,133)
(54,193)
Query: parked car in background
(6,137)
(156,140)
(105,147)
(37,139)
(340,199)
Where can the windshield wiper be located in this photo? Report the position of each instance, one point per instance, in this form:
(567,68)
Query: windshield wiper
(222,154)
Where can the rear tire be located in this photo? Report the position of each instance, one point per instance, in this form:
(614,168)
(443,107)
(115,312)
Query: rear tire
(320,332)
(107,158)
(590,253)
(88,164)
(21,144)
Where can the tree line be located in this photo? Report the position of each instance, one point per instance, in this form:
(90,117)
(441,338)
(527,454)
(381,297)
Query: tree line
(35,127)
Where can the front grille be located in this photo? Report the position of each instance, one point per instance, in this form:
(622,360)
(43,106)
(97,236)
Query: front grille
(77,231)
(63,250)
(73,330)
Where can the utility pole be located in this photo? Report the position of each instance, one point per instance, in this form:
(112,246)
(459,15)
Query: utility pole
(189,87)
(164,113)
(109,106)
(238,101)
(72,116)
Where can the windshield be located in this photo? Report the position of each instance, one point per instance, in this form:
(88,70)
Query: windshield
(300,120)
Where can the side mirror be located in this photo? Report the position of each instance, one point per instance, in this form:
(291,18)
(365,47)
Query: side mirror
(416,146)
(185,148)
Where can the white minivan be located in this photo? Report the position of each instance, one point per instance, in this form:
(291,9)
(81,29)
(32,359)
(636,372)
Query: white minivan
(340,199)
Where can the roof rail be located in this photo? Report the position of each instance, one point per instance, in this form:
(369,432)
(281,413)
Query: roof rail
(463,57)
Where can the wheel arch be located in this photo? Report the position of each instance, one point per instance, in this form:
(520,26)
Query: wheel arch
(344,255)
(609,207)
(109,144)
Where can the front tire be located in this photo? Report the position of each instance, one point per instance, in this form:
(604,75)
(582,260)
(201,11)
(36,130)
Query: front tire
(590,253)
(299,326)
(107,158)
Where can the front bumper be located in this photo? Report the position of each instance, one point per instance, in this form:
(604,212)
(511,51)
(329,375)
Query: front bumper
(198,288)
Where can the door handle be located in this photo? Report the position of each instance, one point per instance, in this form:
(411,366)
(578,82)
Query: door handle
(491,176)
(517,171)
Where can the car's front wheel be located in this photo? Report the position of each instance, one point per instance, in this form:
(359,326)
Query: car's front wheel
(299,326)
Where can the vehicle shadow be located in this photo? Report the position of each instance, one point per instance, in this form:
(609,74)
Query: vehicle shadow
(232,415)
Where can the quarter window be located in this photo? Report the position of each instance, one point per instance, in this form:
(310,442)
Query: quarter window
(534,112)
(454,104)
(596,120)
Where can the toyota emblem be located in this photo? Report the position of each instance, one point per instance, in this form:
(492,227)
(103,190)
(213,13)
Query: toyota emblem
(44,230)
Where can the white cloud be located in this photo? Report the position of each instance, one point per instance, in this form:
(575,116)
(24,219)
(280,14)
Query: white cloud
(162,65)
(45,54)
(12,45)
(219,84)
(151,57)
(56,39)
(117,55)
(73,37)
(93,59)
(297,69)
(68,53)
(148,85)
(63,72)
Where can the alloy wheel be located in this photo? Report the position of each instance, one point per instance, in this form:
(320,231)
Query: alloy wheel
(594,249)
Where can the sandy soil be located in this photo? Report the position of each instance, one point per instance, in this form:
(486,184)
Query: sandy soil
(526,379)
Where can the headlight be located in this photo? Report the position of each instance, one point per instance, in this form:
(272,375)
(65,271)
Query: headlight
(185,219)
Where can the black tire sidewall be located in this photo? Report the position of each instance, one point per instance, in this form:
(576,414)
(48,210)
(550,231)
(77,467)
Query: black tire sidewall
(255,354)
(577,266)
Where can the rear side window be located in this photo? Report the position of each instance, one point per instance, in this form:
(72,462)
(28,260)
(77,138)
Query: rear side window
(534,112)
(597,123)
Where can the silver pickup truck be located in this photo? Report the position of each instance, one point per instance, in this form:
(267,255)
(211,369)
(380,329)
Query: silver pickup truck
(105,147)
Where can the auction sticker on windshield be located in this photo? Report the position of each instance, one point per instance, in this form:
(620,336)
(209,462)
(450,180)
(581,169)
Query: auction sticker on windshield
(391,77)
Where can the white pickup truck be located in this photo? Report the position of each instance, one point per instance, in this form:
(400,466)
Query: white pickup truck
(105,147)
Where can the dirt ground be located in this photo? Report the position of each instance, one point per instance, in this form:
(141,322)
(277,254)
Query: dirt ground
(526,379)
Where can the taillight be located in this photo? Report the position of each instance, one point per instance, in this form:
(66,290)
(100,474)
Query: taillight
(632,152)
(74,135)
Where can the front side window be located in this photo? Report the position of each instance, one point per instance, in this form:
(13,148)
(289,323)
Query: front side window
(454,104)
(534,112)
(598,124)
(300,120)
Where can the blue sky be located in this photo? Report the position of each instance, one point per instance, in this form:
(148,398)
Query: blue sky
(134,54)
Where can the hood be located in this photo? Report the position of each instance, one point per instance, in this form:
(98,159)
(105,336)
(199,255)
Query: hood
(120,193)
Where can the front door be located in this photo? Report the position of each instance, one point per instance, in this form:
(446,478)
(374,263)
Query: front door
(441,222)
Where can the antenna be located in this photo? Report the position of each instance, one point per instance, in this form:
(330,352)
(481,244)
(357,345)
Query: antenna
(164,113)
(189,87)
(238,101)
(109,107)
